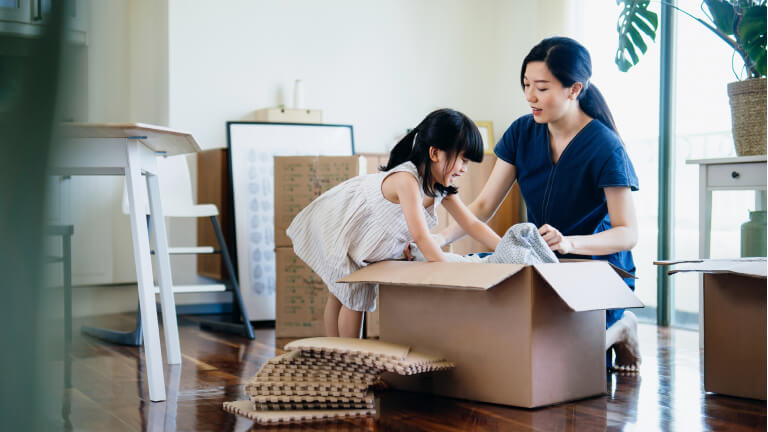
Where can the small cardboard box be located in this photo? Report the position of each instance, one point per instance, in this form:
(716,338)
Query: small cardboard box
(525,336)
(301,179)
(301,297)
(734,324)
(288,115)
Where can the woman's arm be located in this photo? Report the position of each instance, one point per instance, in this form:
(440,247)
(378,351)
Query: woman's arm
(497,187)
(470,223)
(622,235)
(405,189)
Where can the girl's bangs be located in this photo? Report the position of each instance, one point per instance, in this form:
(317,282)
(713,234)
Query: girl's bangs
(473,149)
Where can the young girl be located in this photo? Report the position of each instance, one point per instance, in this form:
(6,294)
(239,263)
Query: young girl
(373,217)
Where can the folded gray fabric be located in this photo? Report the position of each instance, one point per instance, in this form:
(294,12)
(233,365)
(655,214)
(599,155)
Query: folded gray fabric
(521,244)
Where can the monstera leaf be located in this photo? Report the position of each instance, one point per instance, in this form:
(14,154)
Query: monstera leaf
(739,23)
(751,33)
(722,14)
(634,21)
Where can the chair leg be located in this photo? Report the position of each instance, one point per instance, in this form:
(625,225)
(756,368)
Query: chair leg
(66,406)
(238,308)
(67,248)
(130,338)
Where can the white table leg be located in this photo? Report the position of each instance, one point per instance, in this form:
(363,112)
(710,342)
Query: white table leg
(170,327)
(705,226)
(759,200)
(137,198)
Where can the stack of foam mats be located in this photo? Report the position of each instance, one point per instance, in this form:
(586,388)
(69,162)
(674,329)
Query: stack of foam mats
(325,379)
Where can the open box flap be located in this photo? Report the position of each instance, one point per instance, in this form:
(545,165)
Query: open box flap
(588,285)
(753,267)
(623,273)
(470,276)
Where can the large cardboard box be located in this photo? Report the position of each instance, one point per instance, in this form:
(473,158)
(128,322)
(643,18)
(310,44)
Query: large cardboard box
(301,179)
(301,297)
(734,324)
(525,336)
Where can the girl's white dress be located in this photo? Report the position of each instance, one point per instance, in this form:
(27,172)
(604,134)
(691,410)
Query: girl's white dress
(351,226)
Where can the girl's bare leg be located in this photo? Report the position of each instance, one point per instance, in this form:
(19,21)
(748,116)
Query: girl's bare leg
(350,322)
(331,316)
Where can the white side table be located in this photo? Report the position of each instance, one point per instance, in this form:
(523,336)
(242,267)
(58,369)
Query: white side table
(734,173)
(131,149)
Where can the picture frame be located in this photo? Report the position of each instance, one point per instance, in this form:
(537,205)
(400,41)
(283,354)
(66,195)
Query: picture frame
(252,147)
(486,131)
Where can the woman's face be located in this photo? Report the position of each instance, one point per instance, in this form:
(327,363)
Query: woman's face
(548,98)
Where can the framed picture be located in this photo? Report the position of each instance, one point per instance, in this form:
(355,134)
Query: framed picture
(486,130)
(252,146)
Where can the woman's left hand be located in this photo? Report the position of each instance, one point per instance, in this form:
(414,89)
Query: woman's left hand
(555,239)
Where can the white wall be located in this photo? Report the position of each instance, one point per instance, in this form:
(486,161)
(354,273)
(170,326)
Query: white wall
(380,66)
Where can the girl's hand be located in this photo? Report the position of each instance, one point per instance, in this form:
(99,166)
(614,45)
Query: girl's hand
(556,240)
(407,252)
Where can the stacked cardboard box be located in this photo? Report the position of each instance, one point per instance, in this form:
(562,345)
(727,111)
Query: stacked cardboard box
(301,294)
(373,161)
(734,323)
(332,377)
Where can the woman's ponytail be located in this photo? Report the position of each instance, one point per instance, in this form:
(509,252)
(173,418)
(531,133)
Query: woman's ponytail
(593,104)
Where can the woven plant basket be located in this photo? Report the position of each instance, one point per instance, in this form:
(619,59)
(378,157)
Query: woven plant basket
(748,116)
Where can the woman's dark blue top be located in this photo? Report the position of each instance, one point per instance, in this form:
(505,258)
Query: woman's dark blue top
(568,195)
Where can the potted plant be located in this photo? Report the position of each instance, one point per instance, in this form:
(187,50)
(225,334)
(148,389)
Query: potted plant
(739,23)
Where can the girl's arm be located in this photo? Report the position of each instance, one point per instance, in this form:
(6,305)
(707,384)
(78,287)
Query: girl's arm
(485,205)
(470,223)
(403,188)
(622,235)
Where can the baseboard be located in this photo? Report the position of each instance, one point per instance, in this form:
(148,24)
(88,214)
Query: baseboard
(202,309)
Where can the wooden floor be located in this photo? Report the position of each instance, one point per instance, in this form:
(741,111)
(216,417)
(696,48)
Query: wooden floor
(109,392)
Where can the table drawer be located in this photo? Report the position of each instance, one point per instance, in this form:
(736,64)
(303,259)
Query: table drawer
(737,175)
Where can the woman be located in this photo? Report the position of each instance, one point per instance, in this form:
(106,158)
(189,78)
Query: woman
(574,174)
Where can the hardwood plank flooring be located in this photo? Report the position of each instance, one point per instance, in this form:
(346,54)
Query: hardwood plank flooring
(109,392)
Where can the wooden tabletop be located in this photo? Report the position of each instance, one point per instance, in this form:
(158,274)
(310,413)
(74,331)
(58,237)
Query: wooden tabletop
(158,138)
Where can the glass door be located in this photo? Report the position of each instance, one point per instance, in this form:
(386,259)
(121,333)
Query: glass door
(633,98)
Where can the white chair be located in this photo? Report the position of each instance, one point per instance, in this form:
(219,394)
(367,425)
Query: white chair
(177,201)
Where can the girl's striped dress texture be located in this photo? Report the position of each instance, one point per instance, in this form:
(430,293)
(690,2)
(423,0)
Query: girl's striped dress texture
(350,226)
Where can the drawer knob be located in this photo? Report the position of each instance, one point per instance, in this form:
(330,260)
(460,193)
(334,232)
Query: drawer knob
(735,174)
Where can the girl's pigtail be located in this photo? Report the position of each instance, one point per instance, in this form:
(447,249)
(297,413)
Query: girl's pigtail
(401,152)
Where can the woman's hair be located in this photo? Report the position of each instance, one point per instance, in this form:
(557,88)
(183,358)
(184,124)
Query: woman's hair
(570,62)
(444,129)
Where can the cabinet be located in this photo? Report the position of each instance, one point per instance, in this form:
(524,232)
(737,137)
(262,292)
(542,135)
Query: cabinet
(28,18)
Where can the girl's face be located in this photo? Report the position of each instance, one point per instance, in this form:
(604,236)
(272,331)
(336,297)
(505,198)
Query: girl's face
(548,98)
(445,170)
